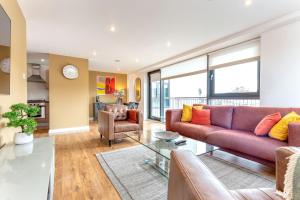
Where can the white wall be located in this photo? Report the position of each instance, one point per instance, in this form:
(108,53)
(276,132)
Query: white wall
(280,66)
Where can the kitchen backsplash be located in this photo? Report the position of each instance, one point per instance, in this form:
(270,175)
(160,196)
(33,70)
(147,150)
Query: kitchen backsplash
(36,91)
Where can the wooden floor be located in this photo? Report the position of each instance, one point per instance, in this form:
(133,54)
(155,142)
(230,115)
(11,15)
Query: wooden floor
(78,174)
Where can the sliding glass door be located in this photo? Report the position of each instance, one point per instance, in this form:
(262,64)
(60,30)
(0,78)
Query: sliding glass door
(154,95)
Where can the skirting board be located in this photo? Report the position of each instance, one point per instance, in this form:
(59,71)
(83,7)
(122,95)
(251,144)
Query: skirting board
(79,129)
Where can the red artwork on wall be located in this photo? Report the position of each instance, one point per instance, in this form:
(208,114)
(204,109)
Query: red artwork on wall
(110,83)
(106,85)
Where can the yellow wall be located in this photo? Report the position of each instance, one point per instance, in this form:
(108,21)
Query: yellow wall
(69,99)
(121,83)
(4,77)
(18,86)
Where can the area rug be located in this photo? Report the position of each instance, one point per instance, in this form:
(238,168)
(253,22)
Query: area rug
(136,180)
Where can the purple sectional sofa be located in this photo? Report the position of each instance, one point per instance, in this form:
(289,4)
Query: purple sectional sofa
(232,130)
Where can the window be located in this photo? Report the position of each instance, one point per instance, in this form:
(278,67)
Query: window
(229,76)
(234,72)
(240,79)
(189,86)
(190,90)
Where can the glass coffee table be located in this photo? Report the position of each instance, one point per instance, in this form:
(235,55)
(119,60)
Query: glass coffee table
(162,148)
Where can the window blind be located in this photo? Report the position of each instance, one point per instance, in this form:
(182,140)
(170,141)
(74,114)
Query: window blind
(247,51)
(184,68)
(155,77)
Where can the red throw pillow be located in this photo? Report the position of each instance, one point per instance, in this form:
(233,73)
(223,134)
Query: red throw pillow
(267,123)
(132,116)
(201,117)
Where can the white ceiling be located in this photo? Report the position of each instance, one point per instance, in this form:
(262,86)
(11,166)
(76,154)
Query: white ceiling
(143,27)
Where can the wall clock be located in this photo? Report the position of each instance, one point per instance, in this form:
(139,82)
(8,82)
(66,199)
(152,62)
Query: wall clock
(70,72)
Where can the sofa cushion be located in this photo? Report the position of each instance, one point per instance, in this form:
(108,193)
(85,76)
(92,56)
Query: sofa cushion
(125,126)
(246,118)
(267,123)
(246,142)
(281,129)
(220,115)
(201,116)
(186,113)
(197,132)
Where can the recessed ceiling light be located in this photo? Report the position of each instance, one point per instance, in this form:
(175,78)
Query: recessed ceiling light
(169,44)
(248,2)
(137,60)
(119,69)
(112,28)
(94,53)
(42,60)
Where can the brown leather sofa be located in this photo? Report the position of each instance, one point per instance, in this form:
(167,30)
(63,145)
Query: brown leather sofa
(190,179)
(232,130)
(113,129)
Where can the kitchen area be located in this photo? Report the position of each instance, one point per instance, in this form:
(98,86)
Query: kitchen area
(38,87)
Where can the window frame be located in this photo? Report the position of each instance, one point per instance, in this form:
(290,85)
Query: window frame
(150,116)
(249,95)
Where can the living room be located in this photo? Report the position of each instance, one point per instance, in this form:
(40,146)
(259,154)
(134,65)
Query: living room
(149,99)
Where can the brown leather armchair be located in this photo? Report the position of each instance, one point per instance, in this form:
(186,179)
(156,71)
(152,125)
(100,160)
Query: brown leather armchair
(190,179)
(112,129)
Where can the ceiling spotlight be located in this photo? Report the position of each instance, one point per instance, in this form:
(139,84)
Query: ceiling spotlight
(42,60)
(94,53)
(137,60)
(119,69)
(169,44)
(248,2)
(112,28)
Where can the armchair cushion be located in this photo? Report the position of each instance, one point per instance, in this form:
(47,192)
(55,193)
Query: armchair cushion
(132,115)
(255,194)
(125,126)
(120,111)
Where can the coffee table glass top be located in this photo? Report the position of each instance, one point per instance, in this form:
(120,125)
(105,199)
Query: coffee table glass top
(164,147)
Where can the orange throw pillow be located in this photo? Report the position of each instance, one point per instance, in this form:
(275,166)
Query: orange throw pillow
(201,117)
(132,116)
(267,123)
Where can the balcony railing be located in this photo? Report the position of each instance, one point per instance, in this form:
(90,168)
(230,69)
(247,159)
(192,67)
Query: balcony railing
(234,102)
(177,102)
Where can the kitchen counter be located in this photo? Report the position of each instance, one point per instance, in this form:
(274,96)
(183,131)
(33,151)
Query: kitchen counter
(27,171)
(38,101)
